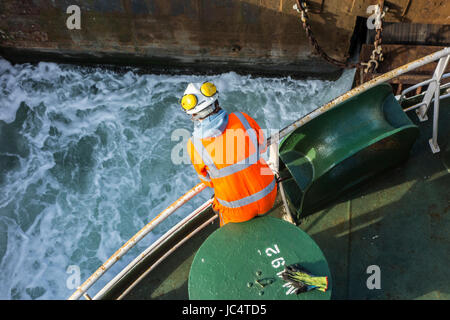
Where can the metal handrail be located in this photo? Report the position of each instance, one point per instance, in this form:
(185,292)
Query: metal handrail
(432,94)
(153,247)
(363,87)
(423,103)
(423,83)
(135,239)
(168,253)
(273,139)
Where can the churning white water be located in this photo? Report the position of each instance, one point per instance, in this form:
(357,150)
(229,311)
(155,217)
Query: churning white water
(85,161)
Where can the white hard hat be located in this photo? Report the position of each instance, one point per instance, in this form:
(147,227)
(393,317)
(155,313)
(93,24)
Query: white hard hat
(199,96)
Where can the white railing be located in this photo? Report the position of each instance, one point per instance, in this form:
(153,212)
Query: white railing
(433,91)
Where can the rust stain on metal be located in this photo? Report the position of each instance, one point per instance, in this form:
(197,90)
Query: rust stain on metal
(169,32)
(384,144)
(396,56)
(363,87)
(435,217)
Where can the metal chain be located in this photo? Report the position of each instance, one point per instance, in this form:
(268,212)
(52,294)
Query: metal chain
(375,58)
(377,54)
(303,10)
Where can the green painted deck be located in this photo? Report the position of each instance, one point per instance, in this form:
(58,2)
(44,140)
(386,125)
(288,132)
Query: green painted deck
(399,221)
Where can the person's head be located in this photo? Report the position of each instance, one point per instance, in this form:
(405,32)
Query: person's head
(200,100)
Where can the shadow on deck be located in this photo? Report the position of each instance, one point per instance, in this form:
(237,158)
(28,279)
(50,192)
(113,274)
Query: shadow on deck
(399,221)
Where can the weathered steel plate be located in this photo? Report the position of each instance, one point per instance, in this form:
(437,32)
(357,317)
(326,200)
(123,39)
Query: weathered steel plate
(241,261)
(396,55)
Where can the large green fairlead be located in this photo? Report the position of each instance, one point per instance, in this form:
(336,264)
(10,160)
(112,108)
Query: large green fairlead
(242,261)
(344,146)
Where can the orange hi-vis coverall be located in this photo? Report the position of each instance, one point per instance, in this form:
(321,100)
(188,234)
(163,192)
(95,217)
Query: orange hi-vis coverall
(230,162)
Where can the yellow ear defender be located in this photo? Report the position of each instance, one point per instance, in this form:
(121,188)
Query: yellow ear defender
(188,101)
(208,89)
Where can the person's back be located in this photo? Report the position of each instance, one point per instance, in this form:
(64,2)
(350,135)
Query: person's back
(225,150)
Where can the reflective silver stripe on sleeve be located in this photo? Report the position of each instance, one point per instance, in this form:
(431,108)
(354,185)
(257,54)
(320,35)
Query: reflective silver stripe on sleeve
(201,150)
(221,218)
(250,199)
(207,178)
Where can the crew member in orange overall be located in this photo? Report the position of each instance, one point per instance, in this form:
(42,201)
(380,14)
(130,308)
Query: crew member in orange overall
(225,150)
